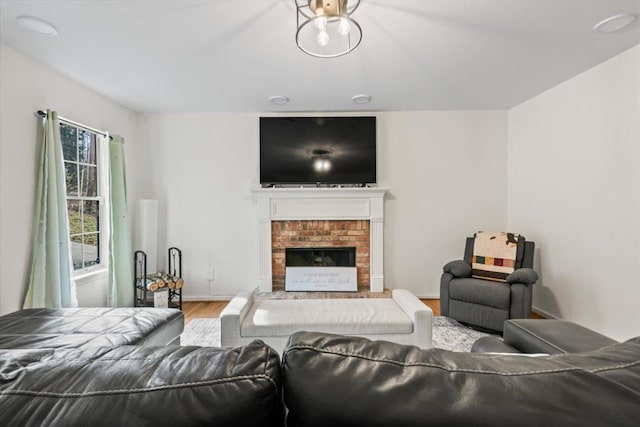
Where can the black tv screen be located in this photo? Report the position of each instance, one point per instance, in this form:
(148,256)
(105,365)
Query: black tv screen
(327,150)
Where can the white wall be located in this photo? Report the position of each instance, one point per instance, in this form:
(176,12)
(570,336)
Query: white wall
(203,166)
(574,188)
(446,171)
(26,86)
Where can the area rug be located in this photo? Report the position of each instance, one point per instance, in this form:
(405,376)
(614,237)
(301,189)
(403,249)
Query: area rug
(448,334)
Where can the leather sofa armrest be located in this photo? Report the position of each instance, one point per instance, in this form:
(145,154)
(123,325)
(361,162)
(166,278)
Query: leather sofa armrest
(552,336)
(527,276)
(458,268)
(232,316)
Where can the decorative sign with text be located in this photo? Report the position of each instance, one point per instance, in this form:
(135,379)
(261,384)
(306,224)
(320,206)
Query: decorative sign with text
(336,279)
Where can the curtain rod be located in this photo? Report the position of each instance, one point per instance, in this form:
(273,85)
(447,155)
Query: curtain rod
(71,122)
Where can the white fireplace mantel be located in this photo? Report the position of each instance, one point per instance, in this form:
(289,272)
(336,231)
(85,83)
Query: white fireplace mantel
(280,204)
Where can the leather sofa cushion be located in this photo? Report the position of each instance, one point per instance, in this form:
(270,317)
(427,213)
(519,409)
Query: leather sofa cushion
(337,381)
(89,327)
(141,386)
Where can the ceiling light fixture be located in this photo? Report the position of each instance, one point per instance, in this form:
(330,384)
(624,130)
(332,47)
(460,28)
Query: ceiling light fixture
(361,99)
(616,23)
(325,27)
(37,25)
(279,99)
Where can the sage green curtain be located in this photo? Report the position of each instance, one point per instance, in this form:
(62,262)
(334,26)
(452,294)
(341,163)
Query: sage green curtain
(50,280)
(120,290)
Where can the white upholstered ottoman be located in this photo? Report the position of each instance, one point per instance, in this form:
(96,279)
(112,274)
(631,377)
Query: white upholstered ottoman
(403,319)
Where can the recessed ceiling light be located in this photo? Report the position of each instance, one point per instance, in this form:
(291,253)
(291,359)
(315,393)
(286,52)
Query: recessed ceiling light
(279,99)
(361,99)
(37,25)
(615,23)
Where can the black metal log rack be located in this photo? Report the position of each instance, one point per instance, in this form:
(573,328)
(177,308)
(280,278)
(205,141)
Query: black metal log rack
(145,284)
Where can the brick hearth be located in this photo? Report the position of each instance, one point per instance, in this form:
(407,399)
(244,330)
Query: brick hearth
(320,234)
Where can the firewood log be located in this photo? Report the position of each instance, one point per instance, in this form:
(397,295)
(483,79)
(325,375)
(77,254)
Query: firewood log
(151,285)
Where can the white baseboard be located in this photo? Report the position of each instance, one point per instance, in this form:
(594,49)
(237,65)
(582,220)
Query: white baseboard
(543,313)
(428,296)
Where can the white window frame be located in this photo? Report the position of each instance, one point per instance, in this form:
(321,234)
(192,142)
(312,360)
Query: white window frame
(102,177)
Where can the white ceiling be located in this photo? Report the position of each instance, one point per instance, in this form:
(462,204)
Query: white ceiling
(232,55)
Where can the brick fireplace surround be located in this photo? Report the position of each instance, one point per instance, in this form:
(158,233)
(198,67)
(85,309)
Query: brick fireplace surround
(320,234)
(320,217)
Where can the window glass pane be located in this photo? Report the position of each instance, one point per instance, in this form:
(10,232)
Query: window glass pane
(91,216)
(76,251)
(88,181)
(75,219)
(71,172)
(87,147)
(91,249)
(68,135)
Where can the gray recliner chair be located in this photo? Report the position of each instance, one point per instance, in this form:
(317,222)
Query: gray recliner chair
(485,303)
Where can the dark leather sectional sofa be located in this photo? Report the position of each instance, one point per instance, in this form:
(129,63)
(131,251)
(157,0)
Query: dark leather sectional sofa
(324,380)
(337,381)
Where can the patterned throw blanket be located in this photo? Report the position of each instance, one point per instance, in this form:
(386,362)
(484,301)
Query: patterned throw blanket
(494,255)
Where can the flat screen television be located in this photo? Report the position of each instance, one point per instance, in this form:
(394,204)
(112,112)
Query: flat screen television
(317,150)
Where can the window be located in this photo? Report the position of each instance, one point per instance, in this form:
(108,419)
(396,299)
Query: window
(84,198)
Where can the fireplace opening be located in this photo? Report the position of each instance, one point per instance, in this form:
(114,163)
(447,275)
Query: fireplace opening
(319,235)
(320,257)
(321,269)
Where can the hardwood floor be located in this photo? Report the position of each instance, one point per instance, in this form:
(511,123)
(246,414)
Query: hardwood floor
(434,304)
(198,309)
(536,316)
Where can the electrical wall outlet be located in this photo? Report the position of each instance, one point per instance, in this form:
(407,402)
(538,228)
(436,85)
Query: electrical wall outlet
(210,274)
